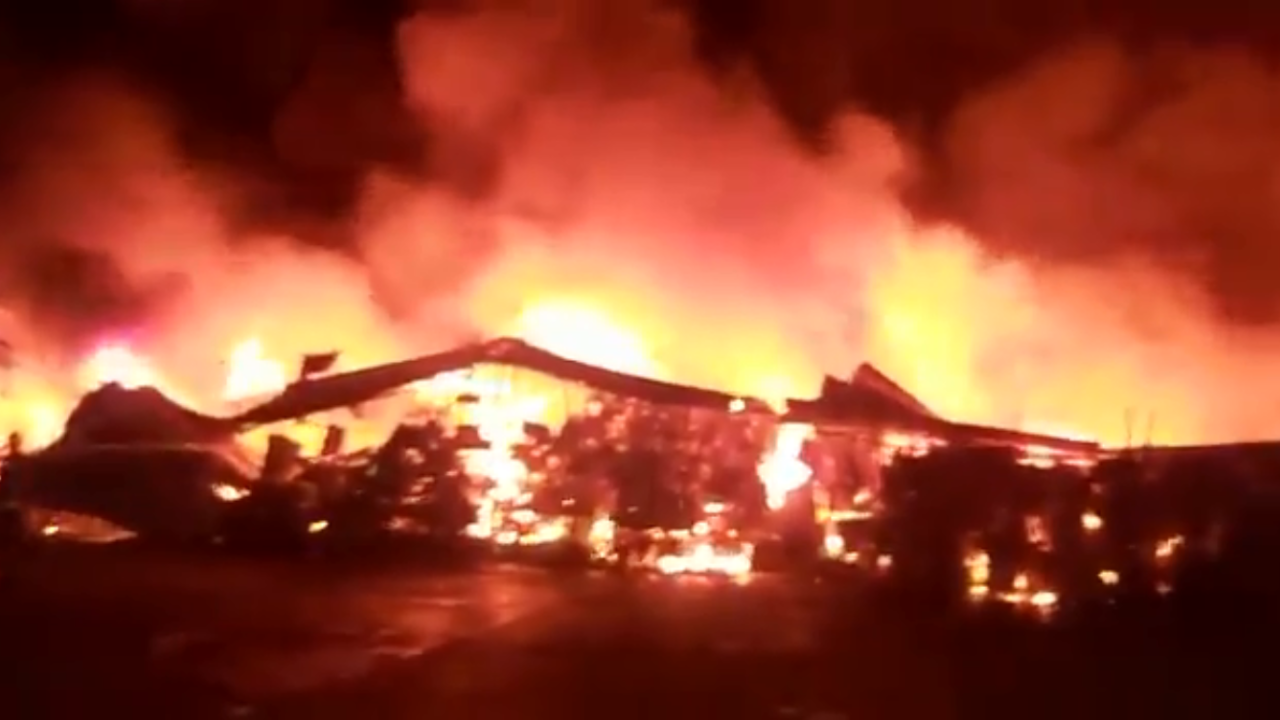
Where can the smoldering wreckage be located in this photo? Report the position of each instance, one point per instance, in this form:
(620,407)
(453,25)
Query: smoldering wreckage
(501,446)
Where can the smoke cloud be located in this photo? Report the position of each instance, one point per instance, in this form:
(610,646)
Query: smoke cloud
(579,154)
(1138,189)
(115,236)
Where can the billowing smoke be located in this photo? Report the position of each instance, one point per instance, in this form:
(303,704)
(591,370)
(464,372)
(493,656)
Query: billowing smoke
(114,236)
(579,157)
(1137,194)
(630,182)
(630,179)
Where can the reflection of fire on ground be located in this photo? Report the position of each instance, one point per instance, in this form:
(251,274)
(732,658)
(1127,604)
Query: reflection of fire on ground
(63,525)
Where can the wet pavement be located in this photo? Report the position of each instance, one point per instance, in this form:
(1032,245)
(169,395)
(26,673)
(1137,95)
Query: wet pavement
(148,631)
(648,647)
(88,634)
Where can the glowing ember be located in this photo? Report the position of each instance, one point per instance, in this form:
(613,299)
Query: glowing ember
(1091,521)
(703,559)
(600,538)
(1166,548)
(895,444)
(977,564)
(835,547)
(1022,593)
(229,493)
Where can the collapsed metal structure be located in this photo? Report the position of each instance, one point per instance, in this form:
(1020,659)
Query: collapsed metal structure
(982,508)
(127,424)
(868,400)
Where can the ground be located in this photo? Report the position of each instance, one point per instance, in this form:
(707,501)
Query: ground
(96,632)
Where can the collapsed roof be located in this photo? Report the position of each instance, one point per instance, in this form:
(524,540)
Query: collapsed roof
(352,388)
(116,417)
(871,398)
(868,398)
(114,414)
(160,491)
(138,459)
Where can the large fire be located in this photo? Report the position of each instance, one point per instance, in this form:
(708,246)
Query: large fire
(573,328)
(251,374)
(118,364)
(583,332)
(781,470)
(576,330)
(638,213)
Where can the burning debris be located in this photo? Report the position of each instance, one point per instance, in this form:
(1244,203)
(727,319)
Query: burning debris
(507,445)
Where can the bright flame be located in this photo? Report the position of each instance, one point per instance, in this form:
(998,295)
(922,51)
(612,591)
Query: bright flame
(37,419)
(499,418)
(583,332)
(251,374)
(781,470)
(117,364)
(33,404)
(501,424)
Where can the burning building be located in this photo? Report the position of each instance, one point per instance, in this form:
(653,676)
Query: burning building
(134,458)
(559,447)
(803,459)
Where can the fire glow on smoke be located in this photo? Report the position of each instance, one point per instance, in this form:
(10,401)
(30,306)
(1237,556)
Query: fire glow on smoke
(646,217)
